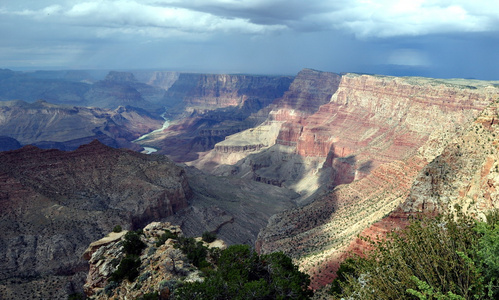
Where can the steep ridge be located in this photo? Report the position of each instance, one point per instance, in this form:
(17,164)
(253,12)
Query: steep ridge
(205,108)
(67,127)
(466,173)
(370,141)
(54,203)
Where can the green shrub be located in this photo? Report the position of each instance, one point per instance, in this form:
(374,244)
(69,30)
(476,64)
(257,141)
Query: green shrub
(127,269)
(195,251)
(164,237)
(133,244)
(117,228)
(447,257)
(209,237)
(242,274)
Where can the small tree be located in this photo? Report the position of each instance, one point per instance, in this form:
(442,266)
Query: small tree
(174,255)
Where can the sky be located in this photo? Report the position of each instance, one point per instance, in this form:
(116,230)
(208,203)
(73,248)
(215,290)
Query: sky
(432,38)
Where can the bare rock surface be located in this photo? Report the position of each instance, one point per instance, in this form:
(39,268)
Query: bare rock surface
(235,209)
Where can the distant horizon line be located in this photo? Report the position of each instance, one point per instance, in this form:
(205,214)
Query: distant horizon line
(193,71)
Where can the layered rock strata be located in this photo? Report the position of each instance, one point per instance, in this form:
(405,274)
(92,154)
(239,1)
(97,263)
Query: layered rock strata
(370,141)
(257,152)
(466,174)
(205,108)
(54,203)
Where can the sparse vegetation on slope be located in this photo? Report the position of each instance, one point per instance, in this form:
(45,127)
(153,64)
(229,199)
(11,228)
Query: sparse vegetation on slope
(447,257)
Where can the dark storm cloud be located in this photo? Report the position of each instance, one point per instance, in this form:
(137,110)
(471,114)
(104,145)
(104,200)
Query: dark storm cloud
(420,37)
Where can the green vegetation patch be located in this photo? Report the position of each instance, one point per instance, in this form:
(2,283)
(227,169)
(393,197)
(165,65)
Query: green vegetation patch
(447,257)
(242,274)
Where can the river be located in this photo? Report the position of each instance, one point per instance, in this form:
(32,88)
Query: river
(149,150)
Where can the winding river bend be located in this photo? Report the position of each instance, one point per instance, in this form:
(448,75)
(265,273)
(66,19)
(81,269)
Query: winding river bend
(149,150)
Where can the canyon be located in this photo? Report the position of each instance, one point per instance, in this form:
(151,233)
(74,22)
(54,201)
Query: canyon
(299,164)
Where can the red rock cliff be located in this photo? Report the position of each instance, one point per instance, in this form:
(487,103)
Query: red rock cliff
(375,136)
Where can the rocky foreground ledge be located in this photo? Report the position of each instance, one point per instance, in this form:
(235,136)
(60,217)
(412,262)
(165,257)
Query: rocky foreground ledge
(161,268)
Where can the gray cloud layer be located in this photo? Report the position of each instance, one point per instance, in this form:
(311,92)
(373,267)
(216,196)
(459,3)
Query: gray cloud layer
(113,33)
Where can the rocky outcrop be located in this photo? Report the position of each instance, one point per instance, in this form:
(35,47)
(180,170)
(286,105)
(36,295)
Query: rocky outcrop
(65,127)
(162,267)
(54,203)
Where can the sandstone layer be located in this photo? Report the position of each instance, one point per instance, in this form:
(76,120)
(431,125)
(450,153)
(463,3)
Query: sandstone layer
(466,174)
(54,203)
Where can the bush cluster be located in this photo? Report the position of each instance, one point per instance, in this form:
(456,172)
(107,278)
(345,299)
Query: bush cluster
(209,237)
(195,251)
(242,274)
(164,237)
(447,257)
(129,265)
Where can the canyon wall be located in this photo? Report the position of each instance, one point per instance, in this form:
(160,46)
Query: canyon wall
(54,203)
(211,91)
(161,79)
(205,108)
(367,143)
(266,153)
